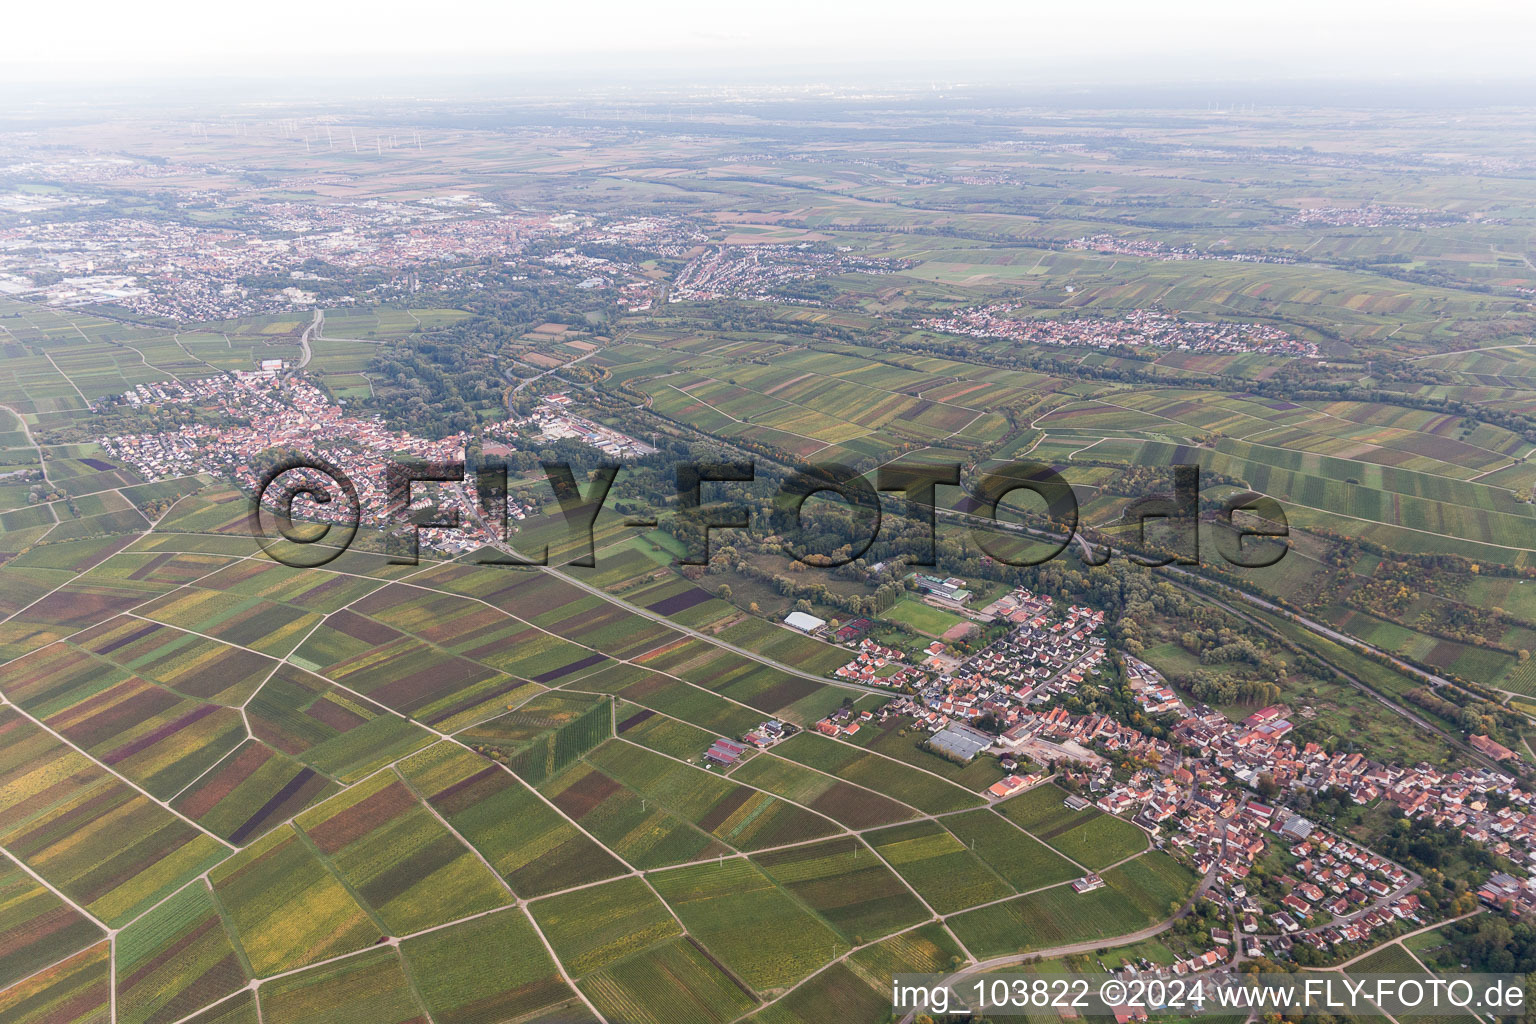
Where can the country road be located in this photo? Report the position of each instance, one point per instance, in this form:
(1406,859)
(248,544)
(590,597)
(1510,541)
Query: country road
(1407,713)
(525,381)
(697,634)
(27,433)
(661,619)
(1072,948)
(1320,628)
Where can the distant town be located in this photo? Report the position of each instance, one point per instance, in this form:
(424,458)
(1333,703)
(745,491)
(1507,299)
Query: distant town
(286,413)
(1149,328)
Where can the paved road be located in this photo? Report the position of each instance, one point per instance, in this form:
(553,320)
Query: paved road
(657,617)
(1398,709)
(1088,552)
(314,328)
(1398,938)
(1014,959)
(1320,628)
(524,382)
(1088,555)
(27,432)
(707,638)
(1470,351)
(1414,881)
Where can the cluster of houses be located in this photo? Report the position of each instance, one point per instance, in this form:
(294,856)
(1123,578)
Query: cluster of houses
(226,391)
(1194,964)
(1043,657)
(1148,797)
(1484,805)
(912,708)
(1352,890)
(1360,891)
(1019,607)
(1487,807)
(290,412)
(1196,788)
(1078,736)
(848,722)
(1223,833)
(1046,657)
(769,272)
(1373,215)
(1407,909)
(1221,830)
(278,413)
(1199,802)
(187,271)
(1140,328)
(1151,691)
(1164,252)
(768,733)
(275,412)
(877,665)
(1040,659)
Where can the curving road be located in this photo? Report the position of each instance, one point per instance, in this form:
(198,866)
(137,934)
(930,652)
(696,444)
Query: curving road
(27,433)
(525,381)
(1014,959)
(314,328)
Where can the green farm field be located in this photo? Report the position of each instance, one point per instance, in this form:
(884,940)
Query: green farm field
(1135,895)
(234,791)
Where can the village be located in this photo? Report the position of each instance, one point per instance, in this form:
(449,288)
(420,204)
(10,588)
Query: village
(1199,791)
(1194,792)
(768,271)
(1374,215)
(1163,252)
(1148,328)
(272,411)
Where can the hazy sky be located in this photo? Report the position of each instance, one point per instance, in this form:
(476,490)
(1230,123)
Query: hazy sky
(1089,38)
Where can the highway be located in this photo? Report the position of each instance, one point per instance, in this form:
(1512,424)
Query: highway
(314,328)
